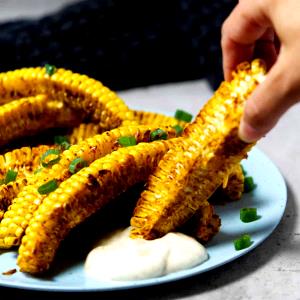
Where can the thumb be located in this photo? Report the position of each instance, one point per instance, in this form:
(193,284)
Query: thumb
(270,100)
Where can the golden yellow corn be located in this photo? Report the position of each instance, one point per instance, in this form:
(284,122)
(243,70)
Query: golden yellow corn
(192,170)
(23,206)
(150,118)
(82,195)
(31,115)
(84,131)
(25,161)
(96,102)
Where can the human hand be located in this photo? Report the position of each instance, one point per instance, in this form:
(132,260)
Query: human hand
(251,31)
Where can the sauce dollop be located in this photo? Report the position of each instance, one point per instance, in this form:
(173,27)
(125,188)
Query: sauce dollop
(120,258)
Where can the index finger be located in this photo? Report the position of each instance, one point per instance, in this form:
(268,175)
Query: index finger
(247,23)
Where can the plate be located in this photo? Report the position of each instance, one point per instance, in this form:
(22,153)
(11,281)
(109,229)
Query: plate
(269,197)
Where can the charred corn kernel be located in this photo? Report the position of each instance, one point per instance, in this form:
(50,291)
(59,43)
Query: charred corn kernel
(79,92)
(89,150)
(84,131)
(192,170)
(80,196)
(150,118)
(31,115)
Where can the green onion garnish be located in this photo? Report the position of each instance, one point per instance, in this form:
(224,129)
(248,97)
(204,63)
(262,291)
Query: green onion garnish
(62,141)
(126,141)
(38,170)
(77,164)
(10,176)
(183,115)
(178,129)
(51,152)
(243,242)
(50,69)
(48,187)
(158,134)
(248,214)
(243,170)
(249,184)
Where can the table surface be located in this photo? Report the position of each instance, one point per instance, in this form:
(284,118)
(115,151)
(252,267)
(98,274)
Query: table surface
(272,270)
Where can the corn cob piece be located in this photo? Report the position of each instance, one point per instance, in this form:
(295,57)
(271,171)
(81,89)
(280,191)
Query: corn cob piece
(31,115)
(86,130)
(192,170)
(79,92)
(204,224)
(23,206)
(25,161)
(232,189)
(82,195)
(150,118)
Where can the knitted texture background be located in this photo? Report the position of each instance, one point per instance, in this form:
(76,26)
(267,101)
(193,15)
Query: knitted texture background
(124,44)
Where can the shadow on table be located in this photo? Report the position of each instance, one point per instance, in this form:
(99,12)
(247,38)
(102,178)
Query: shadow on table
(279,241)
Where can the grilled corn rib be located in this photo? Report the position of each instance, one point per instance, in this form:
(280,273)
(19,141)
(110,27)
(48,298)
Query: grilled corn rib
(80,92)
(233,190)
(192,170)
(19,213)
(86,130)
(28,116)
(82,195)
(150,118)
(25,161)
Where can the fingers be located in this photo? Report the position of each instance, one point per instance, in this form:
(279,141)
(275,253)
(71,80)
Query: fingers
(269,101)
(246,24)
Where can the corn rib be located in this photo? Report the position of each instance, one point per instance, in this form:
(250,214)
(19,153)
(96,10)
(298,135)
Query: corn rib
(28,116)
(82,195)
(16,218)
(192,170)
(89,96)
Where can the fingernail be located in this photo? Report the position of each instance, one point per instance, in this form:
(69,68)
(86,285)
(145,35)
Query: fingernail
(247,133)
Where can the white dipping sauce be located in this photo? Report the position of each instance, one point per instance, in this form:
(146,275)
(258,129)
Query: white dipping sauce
(120,258)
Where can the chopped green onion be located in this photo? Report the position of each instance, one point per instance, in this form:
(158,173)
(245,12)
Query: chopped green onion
(50,69)
(38,170)
(248,215)
(249,184)
(243,170)
(51,162)
(178,129)
(183,115)
(158,134)
(10,176)
(126,141)
(48,187)
(62,141)
(77,164)
(243,242)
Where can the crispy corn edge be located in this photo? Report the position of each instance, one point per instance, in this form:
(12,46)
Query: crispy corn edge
(191,171)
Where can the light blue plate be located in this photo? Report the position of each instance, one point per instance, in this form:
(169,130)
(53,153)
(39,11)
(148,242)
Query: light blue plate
(269,198)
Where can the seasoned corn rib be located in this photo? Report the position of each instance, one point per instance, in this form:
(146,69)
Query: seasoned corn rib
(147,118)
(82,195)
(86,130)
(23,206)
(25,161)
(192,170)
(28,116)
(233,190)
(80,92)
